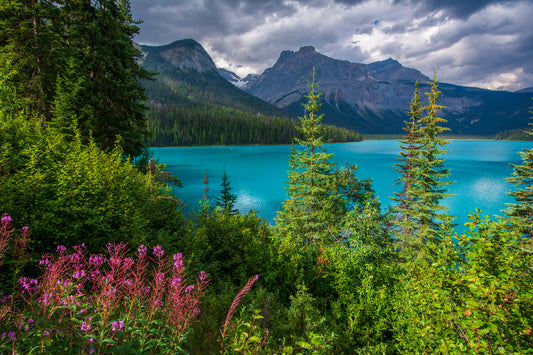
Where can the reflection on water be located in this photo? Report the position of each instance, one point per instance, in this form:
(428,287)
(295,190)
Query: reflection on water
(258,173)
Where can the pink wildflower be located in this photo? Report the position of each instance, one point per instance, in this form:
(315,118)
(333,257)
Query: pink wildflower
(117,326)
(158,251)
(6,219)
(142,250)
(128,262)
(85,327)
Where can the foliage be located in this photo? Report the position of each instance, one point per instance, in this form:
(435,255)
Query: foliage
(409,151)
(71,193)
(472,295)
(231,313)
(364,270)
(249,337)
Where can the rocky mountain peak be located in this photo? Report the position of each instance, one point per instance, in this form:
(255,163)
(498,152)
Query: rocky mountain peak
(306,50)
(392,70)
(186,54)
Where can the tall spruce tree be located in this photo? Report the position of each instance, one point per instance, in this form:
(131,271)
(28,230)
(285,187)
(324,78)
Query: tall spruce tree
(307,212)
(98,91)
(421,216)
(31,48)
(409,151)
(520,213)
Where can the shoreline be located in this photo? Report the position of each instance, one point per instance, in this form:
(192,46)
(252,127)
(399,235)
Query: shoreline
(377,137)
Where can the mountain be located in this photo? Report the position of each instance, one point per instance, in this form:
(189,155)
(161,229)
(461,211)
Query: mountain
(191,103)
(374,98)
(229,75)
(528,90)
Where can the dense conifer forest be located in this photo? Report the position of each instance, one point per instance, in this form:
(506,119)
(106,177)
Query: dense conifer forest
(186,114)
(97,255)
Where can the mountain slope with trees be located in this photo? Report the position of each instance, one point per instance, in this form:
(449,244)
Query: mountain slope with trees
(192,104)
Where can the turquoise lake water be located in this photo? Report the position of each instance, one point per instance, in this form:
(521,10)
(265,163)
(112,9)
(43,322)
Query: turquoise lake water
(258,173)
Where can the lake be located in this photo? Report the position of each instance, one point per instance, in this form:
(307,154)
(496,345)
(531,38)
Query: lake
(258,173)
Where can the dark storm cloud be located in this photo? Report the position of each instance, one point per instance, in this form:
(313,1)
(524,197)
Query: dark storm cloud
(483,42)
(456,8)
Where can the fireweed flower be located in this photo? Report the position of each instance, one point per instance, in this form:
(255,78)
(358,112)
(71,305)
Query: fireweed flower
(158,251)
(142,250)
(177,260)
(189,289)
(117,326)
(96,260)
(175,281)
(85,327)
(78,274)
(128,262)
(6,219)
(79,247)
(202,276)
(25,228)
(61,249)
(45,260)
(28,285)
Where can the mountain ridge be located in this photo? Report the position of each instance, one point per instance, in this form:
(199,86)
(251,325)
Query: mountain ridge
(374,98)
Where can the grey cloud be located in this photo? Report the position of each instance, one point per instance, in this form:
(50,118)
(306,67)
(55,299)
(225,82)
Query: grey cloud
(456,8)
(252,33)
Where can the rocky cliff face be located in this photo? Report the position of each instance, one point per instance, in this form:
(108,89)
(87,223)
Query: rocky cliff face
(186,54)
(374,98)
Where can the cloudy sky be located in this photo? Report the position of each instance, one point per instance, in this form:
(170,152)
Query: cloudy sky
(484,43)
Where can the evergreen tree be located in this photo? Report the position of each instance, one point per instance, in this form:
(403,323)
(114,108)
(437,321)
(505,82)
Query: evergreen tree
(31,47)
(422,169)
(431,169)
(305,214)
(520,213)
(98,90)
(227,199)
(410,150)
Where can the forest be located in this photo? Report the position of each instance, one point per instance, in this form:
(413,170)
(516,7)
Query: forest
(97,254)
(177,118)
